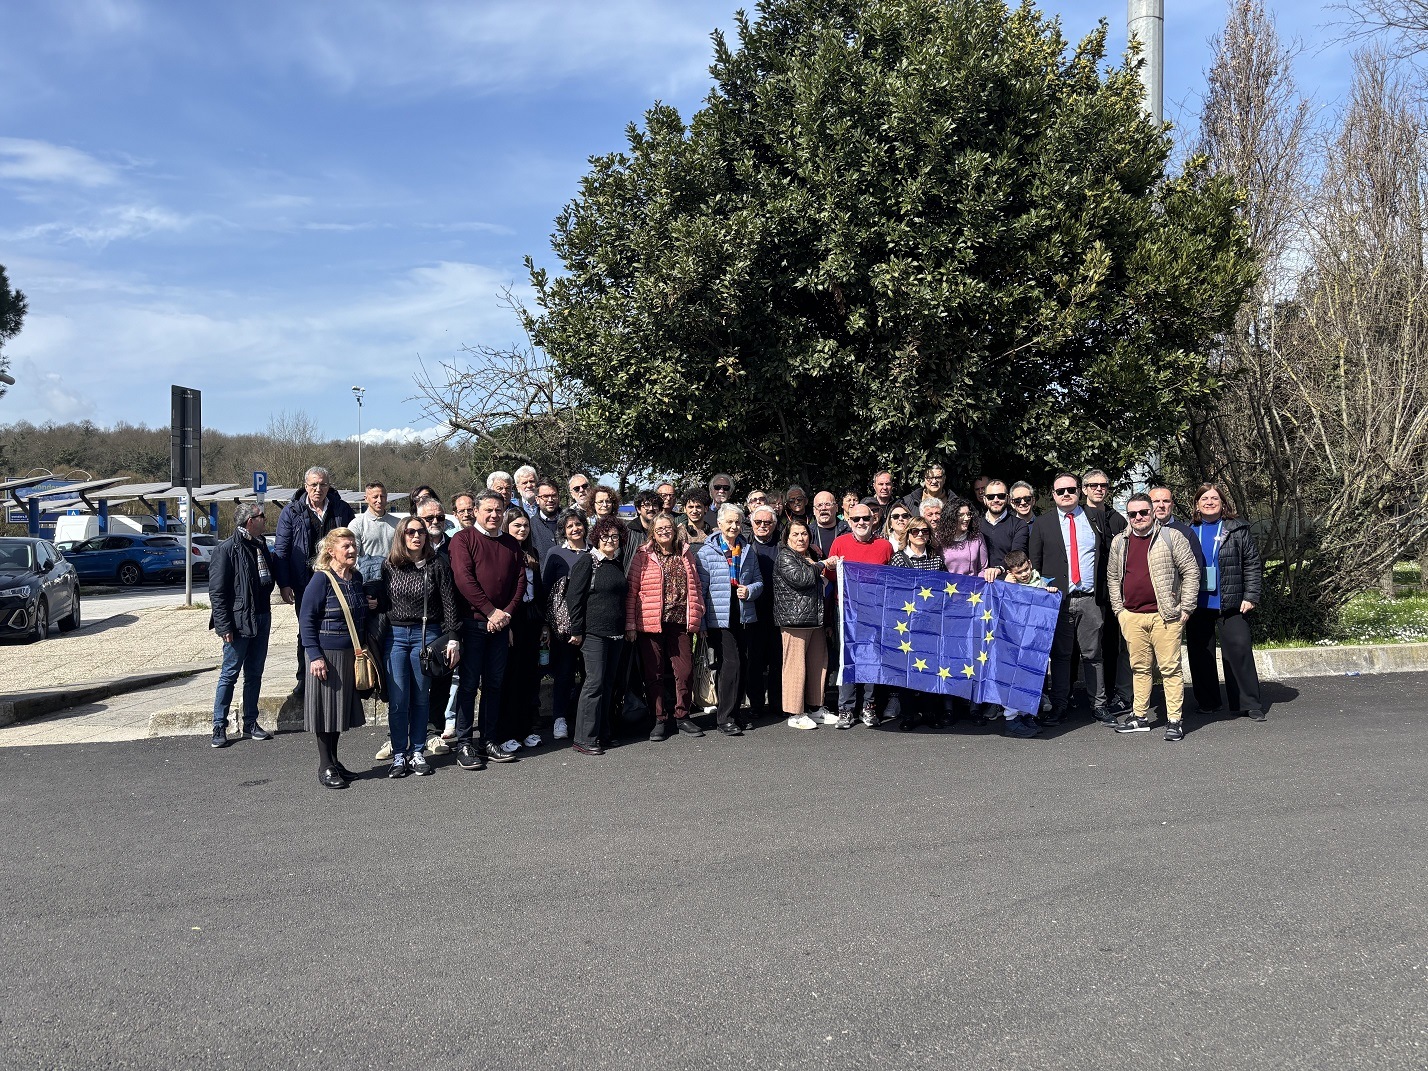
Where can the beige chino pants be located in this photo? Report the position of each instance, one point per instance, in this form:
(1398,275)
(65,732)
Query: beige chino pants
(1154,643)
(805,668)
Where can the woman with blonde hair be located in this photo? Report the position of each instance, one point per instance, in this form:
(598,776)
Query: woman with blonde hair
(330,701)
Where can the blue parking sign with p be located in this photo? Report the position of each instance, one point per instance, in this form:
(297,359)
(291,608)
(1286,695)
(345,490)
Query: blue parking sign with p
(260,483)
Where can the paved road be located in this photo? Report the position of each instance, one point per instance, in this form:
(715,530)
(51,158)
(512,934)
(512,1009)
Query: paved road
(1252,897)
(144,597)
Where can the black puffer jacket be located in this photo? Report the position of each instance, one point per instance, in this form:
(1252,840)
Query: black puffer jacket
(798,591)
(1241,571)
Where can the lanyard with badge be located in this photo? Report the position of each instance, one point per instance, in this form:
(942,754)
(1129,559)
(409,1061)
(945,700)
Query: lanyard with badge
(1212,563)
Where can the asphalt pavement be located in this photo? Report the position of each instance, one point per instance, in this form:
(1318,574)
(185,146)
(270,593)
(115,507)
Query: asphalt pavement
(1251,897)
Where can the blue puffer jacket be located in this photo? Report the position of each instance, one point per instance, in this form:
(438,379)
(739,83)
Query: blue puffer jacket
(718,592)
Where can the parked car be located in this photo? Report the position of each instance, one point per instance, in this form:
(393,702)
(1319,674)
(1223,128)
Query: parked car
(203,548)
(37,586)
(129,559)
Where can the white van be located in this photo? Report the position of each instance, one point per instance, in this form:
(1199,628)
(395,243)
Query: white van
(71,528)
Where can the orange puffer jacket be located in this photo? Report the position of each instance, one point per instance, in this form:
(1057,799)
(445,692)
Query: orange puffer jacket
(644,599)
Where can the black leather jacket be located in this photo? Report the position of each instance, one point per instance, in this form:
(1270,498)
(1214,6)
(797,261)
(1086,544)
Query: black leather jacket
(798,591)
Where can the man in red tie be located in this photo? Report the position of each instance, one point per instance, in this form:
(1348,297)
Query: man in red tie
(1063,548)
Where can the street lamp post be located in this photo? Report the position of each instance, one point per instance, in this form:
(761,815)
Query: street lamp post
(358,392)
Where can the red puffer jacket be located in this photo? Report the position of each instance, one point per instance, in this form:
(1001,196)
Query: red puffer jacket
(644,601)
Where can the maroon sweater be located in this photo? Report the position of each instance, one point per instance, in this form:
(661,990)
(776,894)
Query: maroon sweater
(1138,590)
(490,572)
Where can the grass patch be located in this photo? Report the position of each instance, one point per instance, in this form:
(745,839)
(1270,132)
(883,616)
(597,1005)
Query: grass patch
(1372,618)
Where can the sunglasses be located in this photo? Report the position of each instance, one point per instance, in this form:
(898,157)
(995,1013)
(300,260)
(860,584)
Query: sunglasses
(917,531)
(1064,491)
(722,487)
(1096,486)
(1023,501)
(863,519)
(995,498)
(764,520)
(1134,513)
(577,488)
(899,516)
(415,533)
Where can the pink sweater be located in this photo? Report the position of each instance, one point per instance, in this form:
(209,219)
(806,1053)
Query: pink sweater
(968,557)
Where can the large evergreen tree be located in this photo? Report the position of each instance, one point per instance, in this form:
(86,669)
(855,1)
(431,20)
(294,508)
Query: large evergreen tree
(898,230)
(13,307)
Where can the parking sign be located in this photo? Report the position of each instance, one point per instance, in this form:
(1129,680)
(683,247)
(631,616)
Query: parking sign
(260,485)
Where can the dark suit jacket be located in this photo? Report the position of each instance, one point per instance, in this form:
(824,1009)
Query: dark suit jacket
(1108,524)
(1047,551)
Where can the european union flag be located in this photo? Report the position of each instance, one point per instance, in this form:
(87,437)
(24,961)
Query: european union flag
(946,633)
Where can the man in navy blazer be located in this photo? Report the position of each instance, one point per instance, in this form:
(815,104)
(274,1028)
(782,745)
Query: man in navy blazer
(1078,575)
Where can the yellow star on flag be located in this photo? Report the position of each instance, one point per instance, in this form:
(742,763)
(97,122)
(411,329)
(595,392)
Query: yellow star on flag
(920,664)
(989,638)
(902,626)
(944,673)
(982,657)
(951,589)
(926,593)
(908,607)
(986,615)
(905,647)
(968,671)
(975,598)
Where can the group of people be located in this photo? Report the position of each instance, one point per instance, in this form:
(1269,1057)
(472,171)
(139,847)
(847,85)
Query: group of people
(697,601)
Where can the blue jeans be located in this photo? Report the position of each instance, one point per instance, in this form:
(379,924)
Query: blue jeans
(483,667)
(408,688)
(249,654)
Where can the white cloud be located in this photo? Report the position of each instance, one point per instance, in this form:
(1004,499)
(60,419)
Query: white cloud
(428,45)
(102,225)
(40,161)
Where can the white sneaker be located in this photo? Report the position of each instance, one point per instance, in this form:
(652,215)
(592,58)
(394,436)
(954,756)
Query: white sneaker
(510,747)
(824,715)
(449,733)
(802,721)
(385,753)
(562,730)
(437,746)
(533,740)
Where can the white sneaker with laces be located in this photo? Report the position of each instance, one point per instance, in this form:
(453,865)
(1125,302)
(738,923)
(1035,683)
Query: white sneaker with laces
(510,747)
(802,721)
(385,753)
(562,730)
(826,716)
(437,746)
(533,740)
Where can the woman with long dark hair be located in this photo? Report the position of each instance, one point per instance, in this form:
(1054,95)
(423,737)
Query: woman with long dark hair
(419,599)
(798,612)
(961,540)
(520,689)
(1231,578)
(572,531)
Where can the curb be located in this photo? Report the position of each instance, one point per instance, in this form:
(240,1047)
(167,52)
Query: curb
(284,715)
(1287,662)
(23,706)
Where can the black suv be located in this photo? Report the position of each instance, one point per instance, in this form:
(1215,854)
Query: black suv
(37,586)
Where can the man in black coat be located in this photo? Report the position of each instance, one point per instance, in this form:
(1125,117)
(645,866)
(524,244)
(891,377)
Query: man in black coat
(1002,530)
(1109,522)
(1080,576)
(240,590)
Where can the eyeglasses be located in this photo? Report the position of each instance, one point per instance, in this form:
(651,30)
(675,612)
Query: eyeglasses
(1096,486)
(1064,491)
(995,498)
(1025,500)
(1134,513)
(609,537)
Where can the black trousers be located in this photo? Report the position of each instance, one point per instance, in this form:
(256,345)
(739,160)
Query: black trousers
(520,687)
(1115,658)
(1077,628)
(765,672)
(597,694)
(730,653)
(1236,652)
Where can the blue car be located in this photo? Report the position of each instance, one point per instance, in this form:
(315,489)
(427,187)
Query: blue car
(129,559)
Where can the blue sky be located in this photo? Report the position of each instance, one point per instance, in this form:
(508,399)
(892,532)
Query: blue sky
(275,201)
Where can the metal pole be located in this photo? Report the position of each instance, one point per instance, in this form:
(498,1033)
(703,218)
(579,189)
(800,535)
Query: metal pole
(357,393)
(1145,21)
(188,547)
